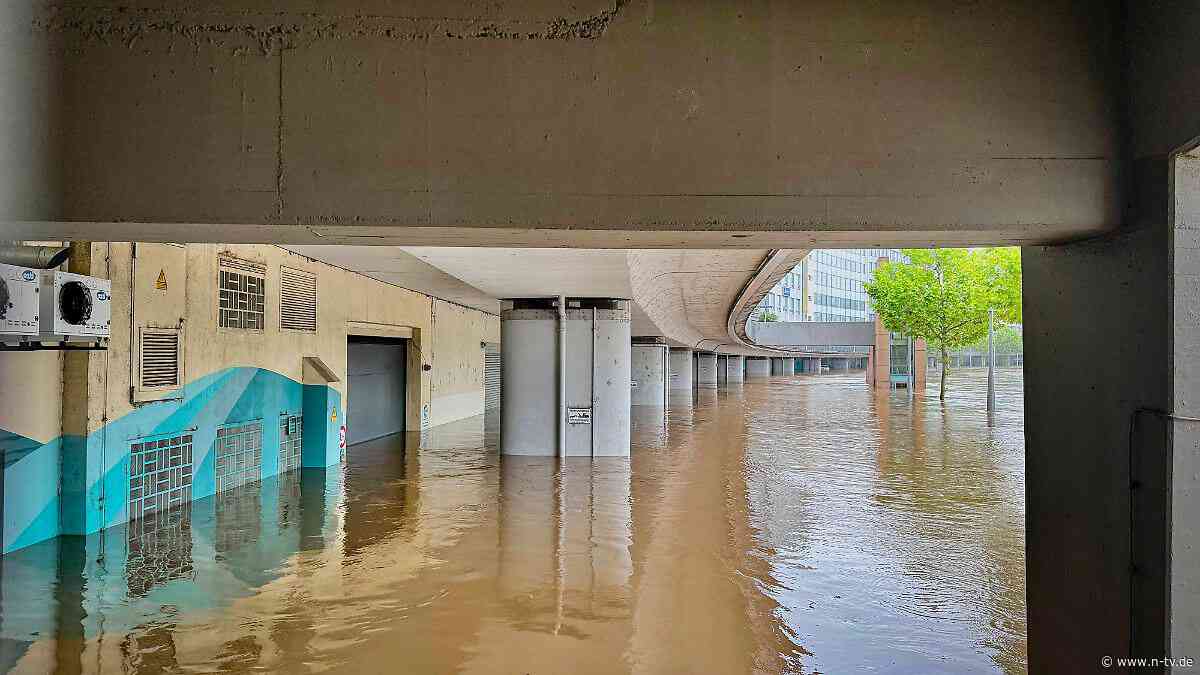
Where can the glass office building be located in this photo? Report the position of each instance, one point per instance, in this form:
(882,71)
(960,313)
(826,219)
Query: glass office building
(828,286)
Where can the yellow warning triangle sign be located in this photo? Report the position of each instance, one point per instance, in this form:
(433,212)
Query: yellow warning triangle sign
(161,282)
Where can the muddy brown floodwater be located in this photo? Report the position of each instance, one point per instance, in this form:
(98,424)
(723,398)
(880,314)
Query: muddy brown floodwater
(792,525)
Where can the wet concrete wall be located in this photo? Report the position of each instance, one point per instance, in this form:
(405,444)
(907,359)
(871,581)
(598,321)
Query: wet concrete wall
(1100,358)
(1185,396)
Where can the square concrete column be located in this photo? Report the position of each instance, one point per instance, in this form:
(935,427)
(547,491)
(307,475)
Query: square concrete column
(1112,388)
(757,367)
(680,375)
(648,383)
(735,368)
(706,370)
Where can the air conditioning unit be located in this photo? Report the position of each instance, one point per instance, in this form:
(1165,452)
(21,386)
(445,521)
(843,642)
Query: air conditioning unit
(19,306)
(75,307)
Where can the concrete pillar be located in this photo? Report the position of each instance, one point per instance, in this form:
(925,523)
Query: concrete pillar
(881,361)
(706,370)
(757,367)
(921,364)
(648,374)
(681,375)
(1112,469)
(735,368)
(722,367)
(596,376)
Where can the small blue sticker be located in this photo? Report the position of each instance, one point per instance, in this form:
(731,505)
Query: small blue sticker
(28,275)
(101,296)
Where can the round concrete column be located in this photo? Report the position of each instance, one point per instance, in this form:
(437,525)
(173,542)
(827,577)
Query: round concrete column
(648,383)
(706,370)
(757,367)
(735,368)
(596,376)
(681,375)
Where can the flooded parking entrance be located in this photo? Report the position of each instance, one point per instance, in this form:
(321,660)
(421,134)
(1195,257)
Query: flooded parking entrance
(792,525)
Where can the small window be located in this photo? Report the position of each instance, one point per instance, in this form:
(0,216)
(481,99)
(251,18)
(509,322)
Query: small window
(297,300)
(242,287)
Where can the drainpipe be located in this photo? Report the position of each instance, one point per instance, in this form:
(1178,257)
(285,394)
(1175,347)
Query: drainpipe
(562,377)
(37,257)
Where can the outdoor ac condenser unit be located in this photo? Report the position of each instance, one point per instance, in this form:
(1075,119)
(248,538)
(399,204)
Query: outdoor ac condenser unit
(74,307)
(19,306)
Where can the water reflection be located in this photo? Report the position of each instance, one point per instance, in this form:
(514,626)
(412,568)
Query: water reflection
(793,524)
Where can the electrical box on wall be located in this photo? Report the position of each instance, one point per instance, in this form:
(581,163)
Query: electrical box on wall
(19,305)
(74,307)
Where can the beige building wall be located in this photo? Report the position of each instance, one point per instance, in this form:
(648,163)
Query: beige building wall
(443,335)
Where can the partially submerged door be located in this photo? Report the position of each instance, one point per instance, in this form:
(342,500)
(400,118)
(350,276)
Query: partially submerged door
(375,387)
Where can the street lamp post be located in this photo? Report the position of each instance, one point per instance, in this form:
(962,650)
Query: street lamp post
(991,392)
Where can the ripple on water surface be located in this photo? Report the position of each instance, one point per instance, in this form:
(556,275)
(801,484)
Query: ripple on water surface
(796,524)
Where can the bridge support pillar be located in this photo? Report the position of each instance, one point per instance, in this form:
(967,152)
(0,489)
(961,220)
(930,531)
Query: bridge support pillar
(681,375)
(1112,389)
(735,368)
(594,377)
(757,367)
(648,378)
(706,370)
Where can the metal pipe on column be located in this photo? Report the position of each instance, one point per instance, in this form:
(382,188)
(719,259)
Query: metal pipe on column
(562,377)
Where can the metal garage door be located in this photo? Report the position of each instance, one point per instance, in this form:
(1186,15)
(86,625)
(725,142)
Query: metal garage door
(376,388)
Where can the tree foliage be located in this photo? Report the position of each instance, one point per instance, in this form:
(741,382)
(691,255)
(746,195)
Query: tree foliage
(943,295)
(767,316)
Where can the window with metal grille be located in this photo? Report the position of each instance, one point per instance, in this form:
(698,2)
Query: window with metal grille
(160,475)
(290,431)
(297,299)
(159,354)
(242,287)
(239,455)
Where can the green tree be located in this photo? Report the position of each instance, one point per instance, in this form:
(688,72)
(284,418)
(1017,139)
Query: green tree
(943,295)
(1008,340)
(767,316)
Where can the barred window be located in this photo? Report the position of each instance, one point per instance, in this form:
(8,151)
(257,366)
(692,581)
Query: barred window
(243,292)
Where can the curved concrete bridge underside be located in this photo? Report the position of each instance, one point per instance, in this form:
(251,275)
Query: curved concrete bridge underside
(693,298)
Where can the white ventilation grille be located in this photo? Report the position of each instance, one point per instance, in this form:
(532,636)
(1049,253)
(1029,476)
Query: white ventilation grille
(297,300)
(159,355)
(491,376)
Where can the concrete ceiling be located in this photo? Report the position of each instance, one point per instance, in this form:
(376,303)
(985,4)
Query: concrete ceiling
(394,266)
(692,298)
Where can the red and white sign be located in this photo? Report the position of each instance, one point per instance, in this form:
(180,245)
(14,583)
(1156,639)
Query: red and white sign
(342,437)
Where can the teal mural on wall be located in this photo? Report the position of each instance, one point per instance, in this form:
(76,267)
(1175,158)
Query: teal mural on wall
(80,485)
